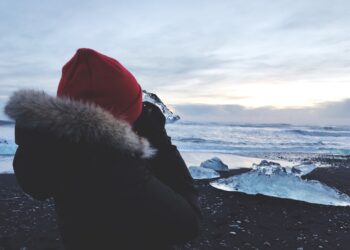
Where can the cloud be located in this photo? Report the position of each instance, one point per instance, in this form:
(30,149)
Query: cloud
(214,52)
(329,113)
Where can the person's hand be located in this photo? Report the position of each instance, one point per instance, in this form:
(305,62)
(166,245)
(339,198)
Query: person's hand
(151,125)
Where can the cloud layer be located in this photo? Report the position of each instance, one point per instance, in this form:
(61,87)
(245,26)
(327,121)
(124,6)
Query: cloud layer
(285,54)
(330,113)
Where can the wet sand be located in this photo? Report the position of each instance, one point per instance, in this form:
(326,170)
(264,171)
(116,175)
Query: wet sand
(231,220)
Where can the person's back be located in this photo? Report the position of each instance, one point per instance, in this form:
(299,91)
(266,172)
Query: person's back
(118,183)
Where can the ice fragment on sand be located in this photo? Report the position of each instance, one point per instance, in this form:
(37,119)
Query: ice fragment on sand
(7,148)
(270,167)
(303,169)
(276,181)
(214,163)
(199,173)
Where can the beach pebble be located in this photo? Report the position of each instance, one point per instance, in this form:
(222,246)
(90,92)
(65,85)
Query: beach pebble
(267,244)
(215,163)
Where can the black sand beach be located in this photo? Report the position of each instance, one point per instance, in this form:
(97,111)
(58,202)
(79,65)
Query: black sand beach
(231,220)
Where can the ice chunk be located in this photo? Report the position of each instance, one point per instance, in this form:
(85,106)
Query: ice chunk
(199,173)
(3,141)
(153,98)
(270,167)
(7,148)
(303,169)
(277,182)
(214,163)
(6,164)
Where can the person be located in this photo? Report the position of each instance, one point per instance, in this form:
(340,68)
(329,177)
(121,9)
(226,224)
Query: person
(105,158)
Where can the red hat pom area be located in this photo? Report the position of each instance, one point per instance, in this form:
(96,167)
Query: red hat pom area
(93,77)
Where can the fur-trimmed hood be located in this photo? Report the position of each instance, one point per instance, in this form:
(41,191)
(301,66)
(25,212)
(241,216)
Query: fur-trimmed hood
(75,121)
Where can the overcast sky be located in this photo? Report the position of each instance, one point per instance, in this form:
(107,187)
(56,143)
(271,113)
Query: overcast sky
(255,61)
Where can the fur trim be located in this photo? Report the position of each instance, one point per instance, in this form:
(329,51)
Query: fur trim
(75,121)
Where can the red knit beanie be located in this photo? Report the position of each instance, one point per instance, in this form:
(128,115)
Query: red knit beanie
(93,77)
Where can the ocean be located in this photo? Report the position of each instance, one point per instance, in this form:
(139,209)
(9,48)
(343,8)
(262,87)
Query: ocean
(240,139)
(253,139)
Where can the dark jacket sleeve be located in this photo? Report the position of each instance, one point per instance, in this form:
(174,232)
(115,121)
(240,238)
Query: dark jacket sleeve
(35,164)
(170,168)
(157,210)
(29,174)
(168,165)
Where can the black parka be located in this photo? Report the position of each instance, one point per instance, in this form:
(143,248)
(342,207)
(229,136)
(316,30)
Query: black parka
(111,188)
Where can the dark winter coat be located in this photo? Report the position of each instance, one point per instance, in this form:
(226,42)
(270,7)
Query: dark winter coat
(111,188)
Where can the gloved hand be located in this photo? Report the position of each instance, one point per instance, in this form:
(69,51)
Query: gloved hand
(168,165)
(151,125)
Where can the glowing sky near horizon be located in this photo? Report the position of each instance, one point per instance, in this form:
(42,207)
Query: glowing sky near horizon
(278,54)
